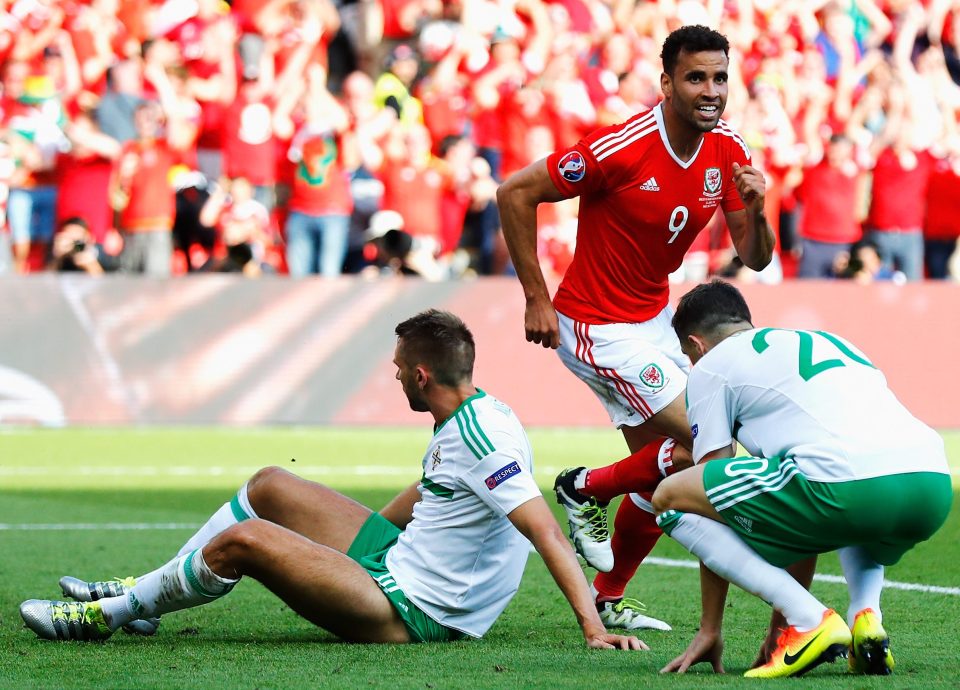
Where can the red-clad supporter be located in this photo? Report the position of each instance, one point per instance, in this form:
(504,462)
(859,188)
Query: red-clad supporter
(401,17)
(572,114)
(941,227)
(897,204)
(413,183)
(143,194)
(99,36)
(250,140)
(85,172)
(457,154)
(602,77)
(443,93)
(207,45)
(254,15)
(320,204)
(291,29)
(137,17)
(369,123)
(39,21)
(510,66)
(829,223)
(9,26)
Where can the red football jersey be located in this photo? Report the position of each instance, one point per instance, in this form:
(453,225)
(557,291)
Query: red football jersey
(640,209)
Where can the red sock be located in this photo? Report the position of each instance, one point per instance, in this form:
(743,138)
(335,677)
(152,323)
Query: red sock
(635,533)
(635,473)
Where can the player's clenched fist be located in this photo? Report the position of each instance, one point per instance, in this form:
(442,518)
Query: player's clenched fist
(541,323)
(751,185)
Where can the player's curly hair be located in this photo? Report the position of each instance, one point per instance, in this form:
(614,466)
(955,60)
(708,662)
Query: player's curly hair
(692,39)
(441,341)
(708,307)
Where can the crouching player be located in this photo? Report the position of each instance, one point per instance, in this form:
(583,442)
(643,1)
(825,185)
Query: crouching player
(440,562)
(830,446)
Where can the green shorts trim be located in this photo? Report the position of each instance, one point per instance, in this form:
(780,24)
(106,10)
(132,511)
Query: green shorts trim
(785,517)
(369,548)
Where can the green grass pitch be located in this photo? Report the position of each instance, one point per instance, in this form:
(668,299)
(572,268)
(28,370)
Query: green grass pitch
(167,480)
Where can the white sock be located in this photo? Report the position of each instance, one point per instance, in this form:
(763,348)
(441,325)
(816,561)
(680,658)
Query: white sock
(236,510)
(864,581)
(184,582)
(728,556)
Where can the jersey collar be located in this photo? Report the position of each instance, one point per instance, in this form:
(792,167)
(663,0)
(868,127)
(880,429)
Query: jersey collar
(658,115)
(476,396)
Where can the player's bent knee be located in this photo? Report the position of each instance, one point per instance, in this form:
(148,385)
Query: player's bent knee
(665,496)
(262,484)
(239,542)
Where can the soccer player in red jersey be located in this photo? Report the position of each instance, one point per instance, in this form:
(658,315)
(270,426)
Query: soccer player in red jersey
(647,187)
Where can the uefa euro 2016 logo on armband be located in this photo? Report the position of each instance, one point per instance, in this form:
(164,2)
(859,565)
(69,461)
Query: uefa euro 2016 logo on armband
(572,167)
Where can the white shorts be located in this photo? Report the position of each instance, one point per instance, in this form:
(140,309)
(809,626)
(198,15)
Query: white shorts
(636,369)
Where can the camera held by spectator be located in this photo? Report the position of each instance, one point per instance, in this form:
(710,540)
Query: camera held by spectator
(74,250)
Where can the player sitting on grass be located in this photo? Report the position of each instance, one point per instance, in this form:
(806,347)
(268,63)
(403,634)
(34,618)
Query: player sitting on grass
(837,463)
(440,562)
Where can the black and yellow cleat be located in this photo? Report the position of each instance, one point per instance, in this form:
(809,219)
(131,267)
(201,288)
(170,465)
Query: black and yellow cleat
(870,650)
(799,652)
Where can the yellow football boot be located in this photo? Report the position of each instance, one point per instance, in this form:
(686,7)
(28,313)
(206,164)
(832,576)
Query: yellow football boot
(798,652)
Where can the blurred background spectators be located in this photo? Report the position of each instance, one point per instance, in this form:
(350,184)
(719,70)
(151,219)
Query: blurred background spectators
(262,136)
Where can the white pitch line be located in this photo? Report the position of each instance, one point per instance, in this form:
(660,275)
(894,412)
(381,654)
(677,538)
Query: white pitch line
(121,526)
(200,471)
(833,579)
(662,562)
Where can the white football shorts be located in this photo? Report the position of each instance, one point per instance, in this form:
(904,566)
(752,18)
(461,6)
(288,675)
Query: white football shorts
(636,369)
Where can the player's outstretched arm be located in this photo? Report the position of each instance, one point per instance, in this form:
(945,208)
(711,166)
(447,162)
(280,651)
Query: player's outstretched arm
(536,523)
(517,199)
(749,230)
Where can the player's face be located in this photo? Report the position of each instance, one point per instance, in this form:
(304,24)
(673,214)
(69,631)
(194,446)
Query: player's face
(407,376)
(697,91)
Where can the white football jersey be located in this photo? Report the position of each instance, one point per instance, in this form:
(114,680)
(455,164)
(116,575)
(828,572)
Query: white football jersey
(811,396)
(460,559)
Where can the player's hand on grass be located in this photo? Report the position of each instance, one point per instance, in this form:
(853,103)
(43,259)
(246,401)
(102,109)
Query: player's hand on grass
(541,323)
(611,641)
(751,186)
(767,649)
(705,646)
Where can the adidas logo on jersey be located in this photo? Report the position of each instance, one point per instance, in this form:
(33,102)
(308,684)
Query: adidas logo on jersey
(650,185)
(746,523)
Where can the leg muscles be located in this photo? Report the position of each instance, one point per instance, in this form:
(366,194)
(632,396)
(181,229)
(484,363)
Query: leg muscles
(319,583)
(313,510)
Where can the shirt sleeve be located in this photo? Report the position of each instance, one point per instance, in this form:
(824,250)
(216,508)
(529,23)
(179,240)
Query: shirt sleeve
(575,170)
(502,480)
(709,411)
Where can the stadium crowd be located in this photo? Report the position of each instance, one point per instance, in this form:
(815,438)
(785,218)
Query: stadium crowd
(329,136)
